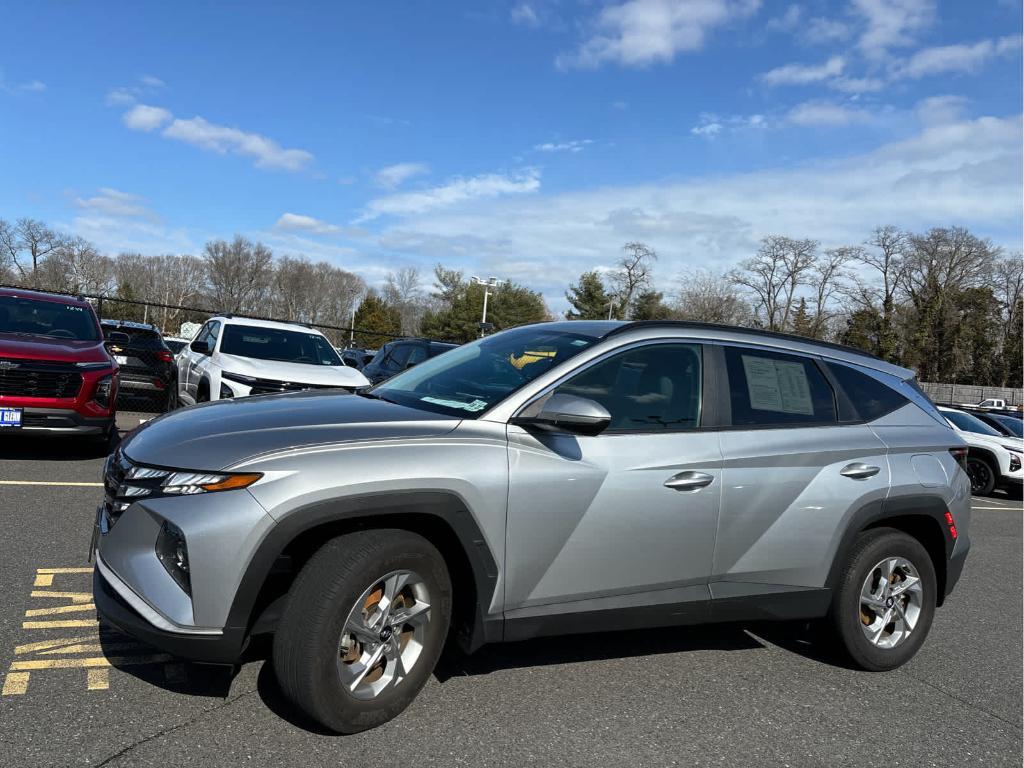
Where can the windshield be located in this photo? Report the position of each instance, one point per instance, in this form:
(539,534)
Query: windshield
(32,317)
(1014,425)
(969,423)
(278,344)
(468,380)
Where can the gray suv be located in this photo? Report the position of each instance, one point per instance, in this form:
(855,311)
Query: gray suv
(554,478)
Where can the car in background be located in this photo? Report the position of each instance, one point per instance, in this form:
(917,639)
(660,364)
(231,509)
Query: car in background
(1003,423)
(357,358)
(175,343)
(236,356)
(395,356)
(145,360)
(993,460)
(56,376)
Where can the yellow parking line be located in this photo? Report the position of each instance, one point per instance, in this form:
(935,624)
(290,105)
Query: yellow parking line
(98,679)
(78,608)
(51,482)
(63,570)
(43,645)
(75,597)
(15,684)
(43,580)
(58,624)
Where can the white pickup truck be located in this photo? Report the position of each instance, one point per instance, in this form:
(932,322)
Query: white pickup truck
(991,404)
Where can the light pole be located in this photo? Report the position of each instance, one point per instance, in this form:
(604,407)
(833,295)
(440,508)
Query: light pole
(490,282)
(611,305)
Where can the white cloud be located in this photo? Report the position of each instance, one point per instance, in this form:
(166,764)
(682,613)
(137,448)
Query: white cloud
(641,32)
(456,191)
(129,94)
(113,202)
(393,176)
(822,30)
(300,223)
(857,84)
(964,172)
(957,58)
(826,113)
(788,21)
(708,129)
(577,145)
(802,74)
(33,86)
(224,139)
(711,125)
(941,110)
(143,117)
(892,23)
(524,14)
(152,82)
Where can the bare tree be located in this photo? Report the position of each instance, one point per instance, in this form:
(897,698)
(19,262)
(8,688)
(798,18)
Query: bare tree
(710,298)
(403,289)
(75,266)
(632,274)
(828,276)
(774,276)
(238,274)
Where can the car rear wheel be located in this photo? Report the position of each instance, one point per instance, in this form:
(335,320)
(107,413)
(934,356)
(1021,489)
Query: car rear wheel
(982,476)
(362,628)
(885,601)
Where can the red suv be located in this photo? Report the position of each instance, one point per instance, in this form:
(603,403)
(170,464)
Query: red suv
(55,374)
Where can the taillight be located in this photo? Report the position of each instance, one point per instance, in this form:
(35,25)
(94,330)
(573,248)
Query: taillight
(164,356)
(960,454)
(951,525)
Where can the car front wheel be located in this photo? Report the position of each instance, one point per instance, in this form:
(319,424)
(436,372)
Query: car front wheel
(362,628)
(885,600)
(983,477)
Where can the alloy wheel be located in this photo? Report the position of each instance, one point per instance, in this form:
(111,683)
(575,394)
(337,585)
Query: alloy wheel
(890,602)
(384,634)
(979,473)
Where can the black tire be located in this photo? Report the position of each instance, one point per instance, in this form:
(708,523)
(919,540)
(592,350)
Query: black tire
(982,475)
(306,643)
(870,548)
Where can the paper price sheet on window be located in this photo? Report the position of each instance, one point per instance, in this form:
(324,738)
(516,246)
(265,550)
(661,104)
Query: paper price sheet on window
(777,385)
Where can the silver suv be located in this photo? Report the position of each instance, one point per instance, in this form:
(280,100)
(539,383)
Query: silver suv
(554,478)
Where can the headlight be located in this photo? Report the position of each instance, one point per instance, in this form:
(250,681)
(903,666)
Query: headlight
(142,481)
(92,366)
(103,389)
(1014,449)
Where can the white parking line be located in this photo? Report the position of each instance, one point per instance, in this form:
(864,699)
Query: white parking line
(1001,509)
(49,482)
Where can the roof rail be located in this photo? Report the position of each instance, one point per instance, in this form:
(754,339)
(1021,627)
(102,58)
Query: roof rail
(696,325)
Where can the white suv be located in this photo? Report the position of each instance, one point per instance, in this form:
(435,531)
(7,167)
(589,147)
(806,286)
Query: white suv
(235,356)
(994,460)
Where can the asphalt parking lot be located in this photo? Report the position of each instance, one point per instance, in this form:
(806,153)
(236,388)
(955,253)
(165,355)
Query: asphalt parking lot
(75,695)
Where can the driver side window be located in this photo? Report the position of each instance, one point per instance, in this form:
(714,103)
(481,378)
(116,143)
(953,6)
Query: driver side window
(652,388)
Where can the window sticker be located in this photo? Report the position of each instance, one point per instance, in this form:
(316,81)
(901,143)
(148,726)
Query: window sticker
(777,385)
(473,407)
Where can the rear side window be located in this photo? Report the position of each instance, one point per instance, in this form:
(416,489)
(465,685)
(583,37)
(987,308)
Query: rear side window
(769,389)
(417,355)
(399,356)
(870,398)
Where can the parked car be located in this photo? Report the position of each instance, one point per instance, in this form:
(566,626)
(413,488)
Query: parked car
(555,478)
(55,375)
(990,403)
(395,356)
(994,459)
(175,343)
(1003,423)
(357,358)
(235,356)
(145,361)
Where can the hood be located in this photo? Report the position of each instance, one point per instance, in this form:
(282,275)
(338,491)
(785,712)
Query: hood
(298,373)
(975,438)
(48,348)
(220,434)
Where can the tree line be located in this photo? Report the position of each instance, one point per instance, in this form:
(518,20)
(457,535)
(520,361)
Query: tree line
(945,302)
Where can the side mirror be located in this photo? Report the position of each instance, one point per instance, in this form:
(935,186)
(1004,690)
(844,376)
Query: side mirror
(567,413)
(119,337)
(202,347)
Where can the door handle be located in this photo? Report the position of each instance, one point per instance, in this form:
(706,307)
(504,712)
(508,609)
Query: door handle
(688,481)
(859,471)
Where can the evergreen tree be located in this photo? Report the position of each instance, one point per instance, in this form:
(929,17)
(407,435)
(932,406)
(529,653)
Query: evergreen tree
(588,298)
(803,323)
(650,305)
(376,322)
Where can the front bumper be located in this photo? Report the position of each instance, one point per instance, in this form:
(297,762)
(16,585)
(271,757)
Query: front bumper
(61,421)
(223,648)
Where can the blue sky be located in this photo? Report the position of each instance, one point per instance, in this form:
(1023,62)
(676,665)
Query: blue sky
(527,140)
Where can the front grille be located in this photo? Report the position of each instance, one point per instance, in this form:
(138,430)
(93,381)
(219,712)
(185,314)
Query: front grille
(39,378)
(272,386)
